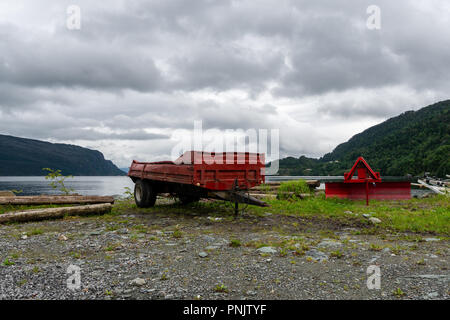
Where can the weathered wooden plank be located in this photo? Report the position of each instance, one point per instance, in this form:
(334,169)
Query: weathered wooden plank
(38,200)
(6,193)
(52,213)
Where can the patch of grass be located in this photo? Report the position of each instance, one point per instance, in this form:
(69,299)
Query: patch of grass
(296,187)
(432,215)
(108,292)
(283,252)
(8,262)
(22,282)
(336,254)
(235,243)
(164,276)
(177,234)
(398,293)
(75,255)
(221,288)
(421,262)
(15,255)
(375,247)
(113,246)
(35,232)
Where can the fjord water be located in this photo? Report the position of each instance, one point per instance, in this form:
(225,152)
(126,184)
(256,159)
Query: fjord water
(101,186)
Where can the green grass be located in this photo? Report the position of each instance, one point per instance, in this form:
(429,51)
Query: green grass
(235,243)
(8,262)
(430,215)
(297,187)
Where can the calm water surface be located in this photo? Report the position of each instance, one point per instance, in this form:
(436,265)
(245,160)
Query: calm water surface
(101,186)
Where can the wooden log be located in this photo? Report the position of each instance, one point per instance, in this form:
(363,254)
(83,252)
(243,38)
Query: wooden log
(263,195)
(6,193)
(52,213)
(438,190)
(38,200)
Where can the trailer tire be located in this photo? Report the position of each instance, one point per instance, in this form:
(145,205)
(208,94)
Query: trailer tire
(144,194)
(188,199)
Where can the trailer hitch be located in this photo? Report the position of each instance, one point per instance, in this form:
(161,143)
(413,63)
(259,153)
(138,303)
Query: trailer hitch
(237,196)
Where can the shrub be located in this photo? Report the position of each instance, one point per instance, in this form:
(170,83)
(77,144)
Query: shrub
(297,187)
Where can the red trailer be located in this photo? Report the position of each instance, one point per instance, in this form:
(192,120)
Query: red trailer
(196,174)
(368,184)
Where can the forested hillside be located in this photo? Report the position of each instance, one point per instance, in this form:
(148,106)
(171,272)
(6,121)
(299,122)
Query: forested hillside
(27,157)
(413,142)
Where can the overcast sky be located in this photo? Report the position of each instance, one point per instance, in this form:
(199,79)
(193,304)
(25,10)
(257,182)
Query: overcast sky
(136,71)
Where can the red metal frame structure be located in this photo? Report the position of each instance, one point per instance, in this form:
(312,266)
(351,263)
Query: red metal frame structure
(367,184)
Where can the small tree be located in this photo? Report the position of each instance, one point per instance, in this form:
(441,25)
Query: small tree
(57,180)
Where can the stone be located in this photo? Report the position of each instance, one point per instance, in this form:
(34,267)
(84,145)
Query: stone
(387,250)
(202,254)
(62,237)
(432,239)
(138,282)
(212,247)
(24,237)
(209,238)
(316,255)
(432,295)
(348,212)
(267,250)
(329,243)
(367,216)
(374,220)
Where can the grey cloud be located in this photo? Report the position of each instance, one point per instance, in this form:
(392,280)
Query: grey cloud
(155,66)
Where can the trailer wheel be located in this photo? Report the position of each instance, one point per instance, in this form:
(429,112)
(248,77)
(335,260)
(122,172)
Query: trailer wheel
(144,194)
(184,199)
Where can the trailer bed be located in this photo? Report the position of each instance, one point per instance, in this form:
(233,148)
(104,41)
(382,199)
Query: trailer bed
(208,170)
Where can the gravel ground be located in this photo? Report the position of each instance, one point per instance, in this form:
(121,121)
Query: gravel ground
(188,256)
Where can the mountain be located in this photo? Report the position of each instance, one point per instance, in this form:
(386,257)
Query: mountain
(27,157)
(411,143)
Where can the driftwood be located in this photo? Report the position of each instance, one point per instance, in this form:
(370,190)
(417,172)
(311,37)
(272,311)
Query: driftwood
(6,193)
(52,213)
(439,190)
(38,200)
